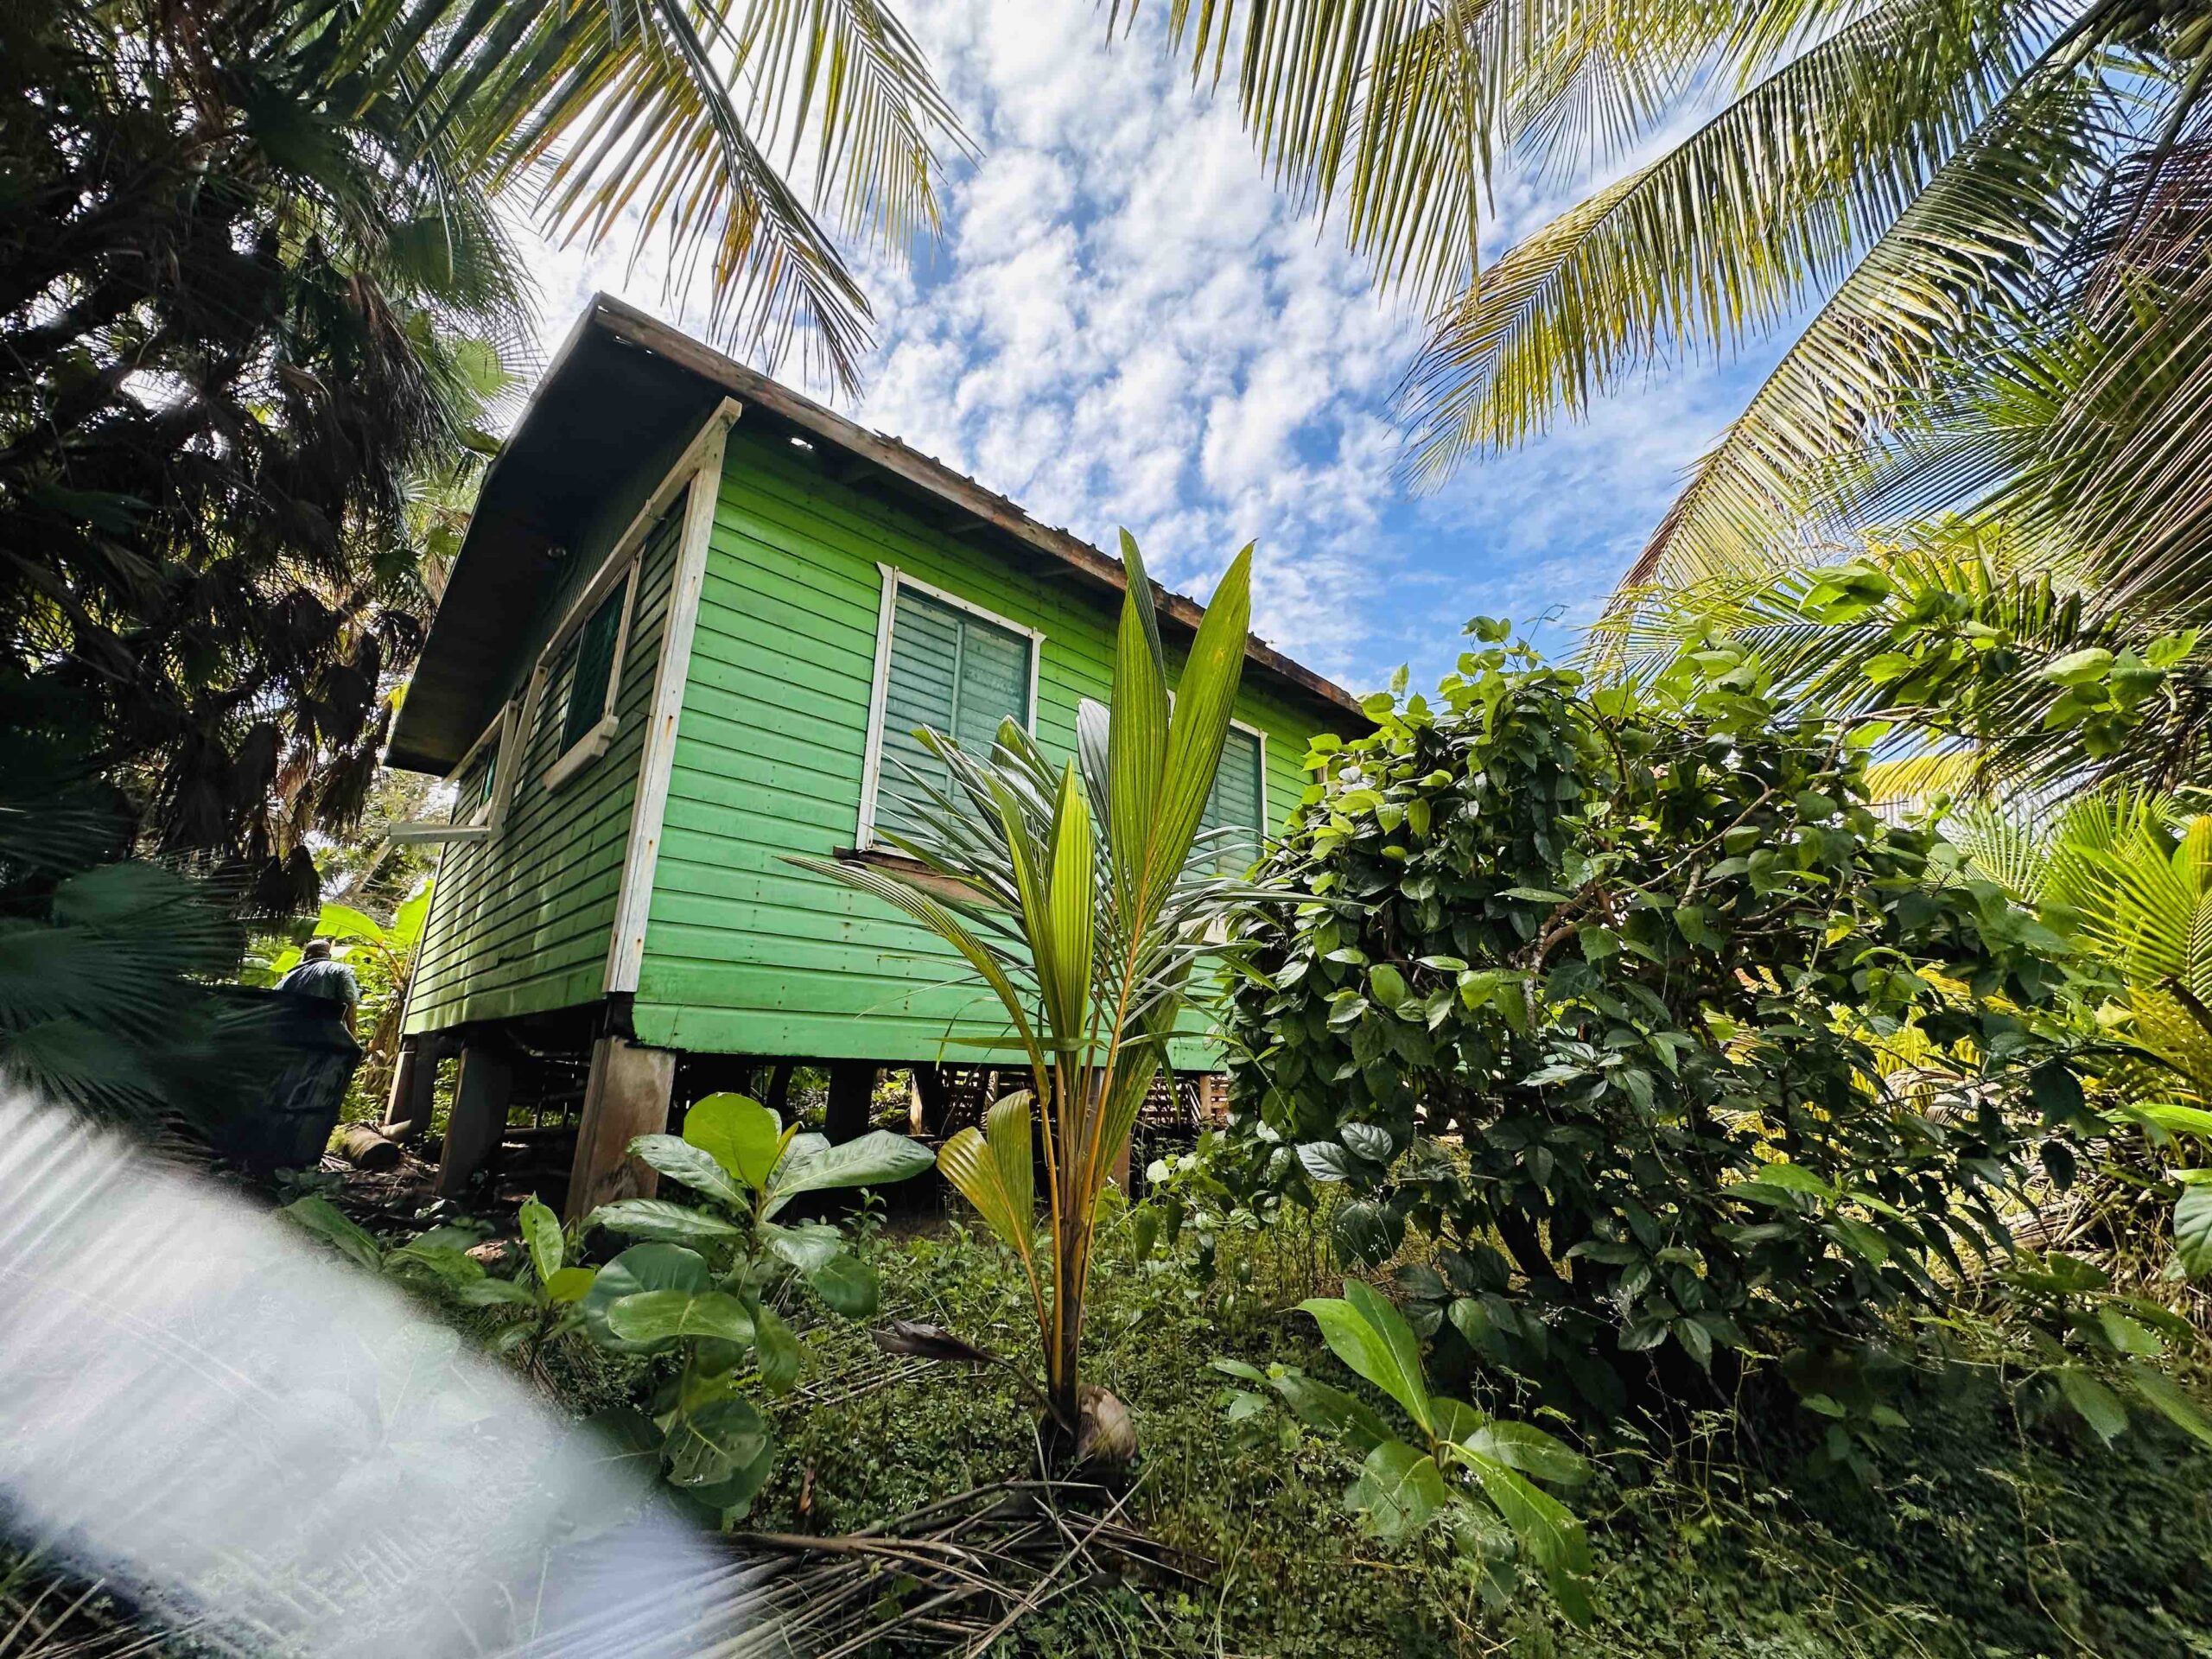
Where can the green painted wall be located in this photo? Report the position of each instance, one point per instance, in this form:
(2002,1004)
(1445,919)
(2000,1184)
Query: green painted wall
(519,922)
(743,953)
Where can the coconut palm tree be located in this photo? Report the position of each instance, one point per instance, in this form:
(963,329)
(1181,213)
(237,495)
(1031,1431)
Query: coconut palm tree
(1929,195)
(253,258)
(1083,894)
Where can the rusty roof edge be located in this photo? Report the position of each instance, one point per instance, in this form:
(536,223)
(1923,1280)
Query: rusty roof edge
(625,322)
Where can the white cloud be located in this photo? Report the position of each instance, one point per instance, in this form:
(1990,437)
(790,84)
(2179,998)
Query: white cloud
(1126,324)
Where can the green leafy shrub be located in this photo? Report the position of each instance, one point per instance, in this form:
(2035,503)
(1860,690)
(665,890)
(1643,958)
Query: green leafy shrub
(701,1284)
(1473,1476)
(1630,998)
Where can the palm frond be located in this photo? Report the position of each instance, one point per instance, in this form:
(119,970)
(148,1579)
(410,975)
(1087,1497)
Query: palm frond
(1948,632)
(1725,238)
(684,116)
(1957,253)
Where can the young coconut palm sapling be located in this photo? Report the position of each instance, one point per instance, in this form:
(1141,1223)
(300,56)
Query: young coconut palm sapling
(1087,938)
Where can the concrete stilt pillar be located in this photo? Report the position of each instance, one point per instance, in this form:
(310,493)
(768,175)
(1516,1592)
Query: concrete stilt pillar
(627,1096)
(852,1099)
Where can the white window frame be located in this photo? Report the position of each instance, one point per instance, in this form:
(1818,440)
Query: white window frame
(879,689)
(620,567)
(481,822)
(1262,827)
(500,733)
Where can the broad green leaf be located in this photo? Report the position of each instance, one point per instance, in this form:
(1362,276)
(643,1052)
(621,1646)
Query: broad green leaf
(1327,1162)
(2175,1119)
(446,1262)
(1373,1337)
(872,1159)
(1398,1490)
(1793,1178)
(776,1349)
(327,1222)
(967,1162)
(1549,1532)
(1006,1127)
(1364,1234)
(660,1315)
(640,1267)
(805,1247)
(1527,1448)
(2168,1398)
(1858,1238)
(1455,1420)
(343,922)
(487,1292)
(1330,1410)
(1386,985)
(1205,698)
(2098,1405)
(1070,907)
(2126,1335)
(541,1235)
(716,1442)
(693,1167)
(847,1287)
(2193,1229)
(662,1218)
(739,1133)
(569,1285)
(1136,741)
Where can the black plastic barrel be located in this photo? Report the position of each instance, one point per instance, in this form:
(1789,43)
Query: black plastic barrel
(304,1057)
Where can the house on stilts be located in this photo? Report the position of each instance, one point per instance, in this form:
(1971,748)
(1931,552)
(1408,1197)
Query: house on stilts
(694,622)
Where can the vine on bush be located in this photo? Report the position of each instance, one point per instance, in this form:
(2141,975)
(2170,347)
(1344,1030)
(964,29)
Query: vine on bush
(1614,991)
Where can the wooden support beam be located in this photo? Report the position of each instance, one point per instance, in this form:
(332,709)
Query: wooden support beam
(414,1083)
(852,1099)
(778,1097)
(480,1115)
(935,1088)
(627,1096)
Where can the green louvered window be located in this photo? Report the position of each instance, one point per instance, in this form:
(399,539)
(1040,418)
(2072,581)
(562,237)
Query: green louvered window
(472,798)
(592,655)
(950,670)
(1238,803)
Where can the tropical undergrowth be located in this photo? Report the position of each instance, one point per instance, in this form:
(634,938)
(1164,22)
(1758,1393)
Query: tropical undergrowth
(1979,1530)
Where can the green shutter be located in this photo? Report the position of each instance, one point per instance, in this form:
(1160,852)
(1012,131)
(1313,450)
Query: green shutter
(474,792)
(593,654)
(1237,802)
(952,673)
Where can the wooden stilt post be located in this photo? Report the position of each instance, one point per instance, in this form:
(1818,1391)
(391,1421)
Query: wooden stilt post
(627,1096)
(480,1114)
(1118,1171)
(936,1090)
(852,1098)
(778,1097)
(414,1082)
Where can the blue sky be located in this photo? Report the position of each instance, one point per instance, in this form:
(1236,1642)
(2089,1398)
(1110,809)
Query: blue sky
(1124,324)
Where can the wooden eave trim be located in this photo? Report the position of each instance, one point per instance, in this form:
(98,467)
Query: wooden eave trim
(626,951)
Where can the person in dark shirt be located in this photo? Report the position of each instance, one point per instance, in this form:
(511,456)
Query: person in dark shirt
(319,976)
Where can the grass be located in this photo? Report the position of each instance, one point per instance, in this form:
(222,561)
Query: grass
(1976,1539)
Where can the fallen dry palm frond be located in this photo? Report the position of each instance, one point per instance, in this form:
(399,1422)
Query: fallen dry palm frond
(950,1577)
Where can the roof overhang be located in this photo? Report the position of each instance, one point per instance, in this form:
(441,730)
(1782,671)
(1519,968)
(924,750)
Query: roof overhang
(625,387)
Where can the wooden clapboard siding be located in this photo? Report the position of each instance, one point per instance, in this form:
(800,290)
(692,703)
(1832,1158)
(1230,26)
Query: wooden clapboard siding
(519,922)
(745,953)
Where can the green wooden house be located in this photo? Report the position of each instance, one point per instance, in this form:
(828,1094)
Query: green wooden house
(695,620)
